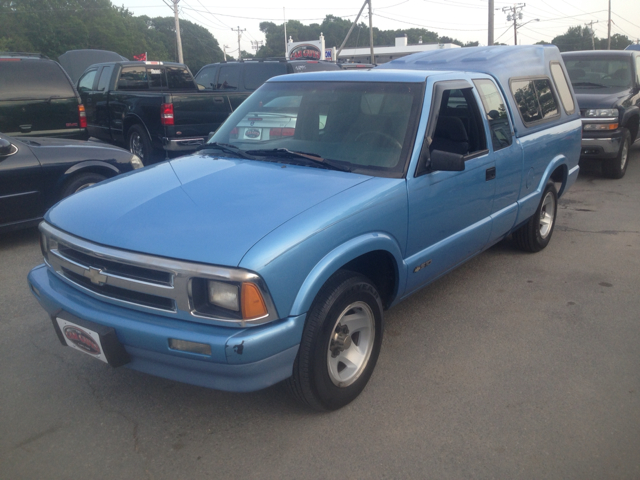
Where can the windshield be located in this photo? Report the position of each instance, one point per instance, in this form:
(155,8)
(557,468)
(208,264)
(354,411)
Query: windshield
(590,72)
(360,127)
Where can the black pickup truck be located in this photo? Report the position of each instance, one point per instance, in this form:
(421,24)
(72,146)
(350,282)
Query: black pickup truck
(150,107)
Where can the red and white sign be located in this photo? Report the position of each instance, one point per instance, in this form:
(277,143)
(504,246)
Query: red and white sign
(82,339)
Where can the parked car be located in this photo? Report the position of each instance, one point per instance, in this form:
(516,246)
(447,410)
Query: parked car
(238,267)
(607,86)
(150,107)
(35,173)
(37,98)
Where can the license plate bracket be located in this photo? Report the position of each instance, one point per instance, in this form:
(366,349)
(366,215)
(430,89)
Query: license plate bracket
(88,337)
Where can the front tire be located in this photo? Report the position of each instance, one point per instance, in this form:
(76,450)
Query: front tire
(535,235)
(340,343)
(617,167)
(80,182)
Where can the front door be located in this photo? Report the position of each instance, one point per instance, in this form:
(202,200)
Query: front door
(450,211)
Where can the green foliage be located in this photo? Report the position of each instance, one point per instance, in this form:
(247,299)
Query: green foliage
(335,30)
(52,27)
(579,38)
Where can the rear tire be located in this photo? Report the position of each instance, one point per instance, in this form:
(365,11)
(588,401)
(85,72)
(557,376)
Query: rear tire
(340,343)
(80,182)
(139,143)
(535,235)
(617,167)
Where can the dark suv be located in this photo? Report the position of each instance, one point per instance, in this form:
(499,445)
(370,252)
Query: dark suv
(607,87)
(240,79)
(37,98)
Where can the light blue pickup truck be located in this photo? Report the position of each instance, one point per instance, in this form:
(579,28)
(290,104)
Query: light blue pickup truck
(326,198)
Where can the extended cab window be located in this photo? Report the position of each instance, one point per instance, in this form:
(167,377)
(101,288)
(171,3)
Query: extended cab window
(86,81)
(459,128)
(535,99)
(496,113)
(133,78)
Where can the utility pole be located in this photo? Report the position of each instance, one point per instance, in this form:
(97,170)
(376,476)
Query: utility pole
(373,60)
(515,14)
(286,45)
(590,25)
(344,42)
(490,28)
(224,51)
(178,40)
(609,28)
(239,30)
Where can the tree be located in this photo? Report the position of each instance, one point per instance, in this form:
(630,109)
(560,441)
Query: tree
(579,38)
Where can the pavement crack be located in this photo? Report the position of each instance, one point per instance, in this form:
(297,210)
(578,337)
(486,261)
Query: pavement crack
(602,232)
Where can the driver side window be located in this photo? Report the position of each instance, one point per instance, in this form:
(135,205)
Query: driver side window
(85,83)
(459,128)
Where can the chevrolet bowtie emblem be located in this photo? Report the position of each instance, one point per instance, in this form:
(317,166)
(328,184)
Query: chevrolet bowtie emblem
(96,276)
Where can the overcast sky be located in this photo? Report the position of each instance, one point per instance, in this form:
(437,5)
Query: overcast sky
(465,20)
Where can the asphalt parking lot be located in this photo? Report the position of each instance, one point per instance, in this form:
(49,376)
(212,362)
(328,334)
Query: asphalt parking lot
(514,366)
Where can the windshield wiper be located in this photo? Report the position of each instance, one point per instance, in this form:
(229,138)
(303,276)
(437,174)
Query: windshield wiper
(226,148)
(587,84)
(312,159)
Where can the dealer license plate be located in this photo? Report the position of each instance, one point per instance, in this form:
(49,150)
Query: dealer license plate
(82,339)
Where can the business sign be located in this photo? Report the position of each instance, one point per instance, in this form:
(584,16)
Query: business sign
(309,50)
(305,52)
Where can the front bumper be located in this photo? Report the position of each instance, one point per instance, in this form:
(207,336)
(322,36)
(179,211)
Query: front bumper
(603,145)
(241,360)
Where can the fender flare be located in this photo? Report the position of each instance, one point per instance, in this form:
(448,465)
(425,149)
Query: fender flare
(527,205)
(341,255)
(91,164)
(130,120)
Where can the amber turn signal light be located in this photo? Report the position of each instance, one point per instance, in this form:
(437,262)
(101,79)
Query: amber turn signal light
(253,305)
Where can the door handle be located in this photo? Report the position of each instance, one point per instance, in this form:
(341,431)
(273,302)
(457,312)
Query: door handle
(491,173)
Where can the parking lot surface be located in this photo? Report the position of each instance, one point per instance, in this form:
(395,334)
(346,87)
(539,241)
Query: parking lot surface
(513,366)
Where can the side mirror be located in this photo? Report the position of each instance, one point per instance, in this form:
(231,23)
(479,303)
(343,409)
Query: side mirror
(6,148)
(446,161)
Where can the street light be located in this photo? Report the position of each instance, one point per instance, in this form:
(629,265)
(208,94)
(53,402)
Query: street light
(516,27)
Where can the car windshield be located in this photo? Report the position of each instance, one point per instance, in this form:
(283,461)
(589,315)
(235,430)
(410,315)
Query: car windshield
(593,72)
(362,127)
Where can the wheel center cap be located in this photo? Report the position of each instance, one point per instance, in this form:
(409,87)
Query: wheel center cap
(341,340)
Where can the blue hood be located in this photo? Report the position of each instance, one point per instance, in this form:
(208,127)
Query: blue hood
(197,208)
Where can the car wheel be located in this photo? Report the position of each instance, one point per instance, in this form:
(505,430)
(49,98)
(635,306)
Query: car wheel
(534,235)
(139,144)
(340,343)
(617,167)
(80,182)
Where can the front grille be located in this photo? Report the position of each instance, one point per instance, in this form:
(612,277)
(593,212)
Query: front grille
(123,294)
(129,271)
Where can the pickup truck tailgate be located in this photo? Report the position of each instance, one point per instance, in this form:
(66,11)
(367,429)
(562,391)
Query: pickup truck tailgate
(197,114)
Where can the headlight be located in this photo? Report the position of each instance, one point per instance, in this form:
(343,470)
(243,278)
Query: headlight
(224,295)
(601,112)
(136,163)
(243,301)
